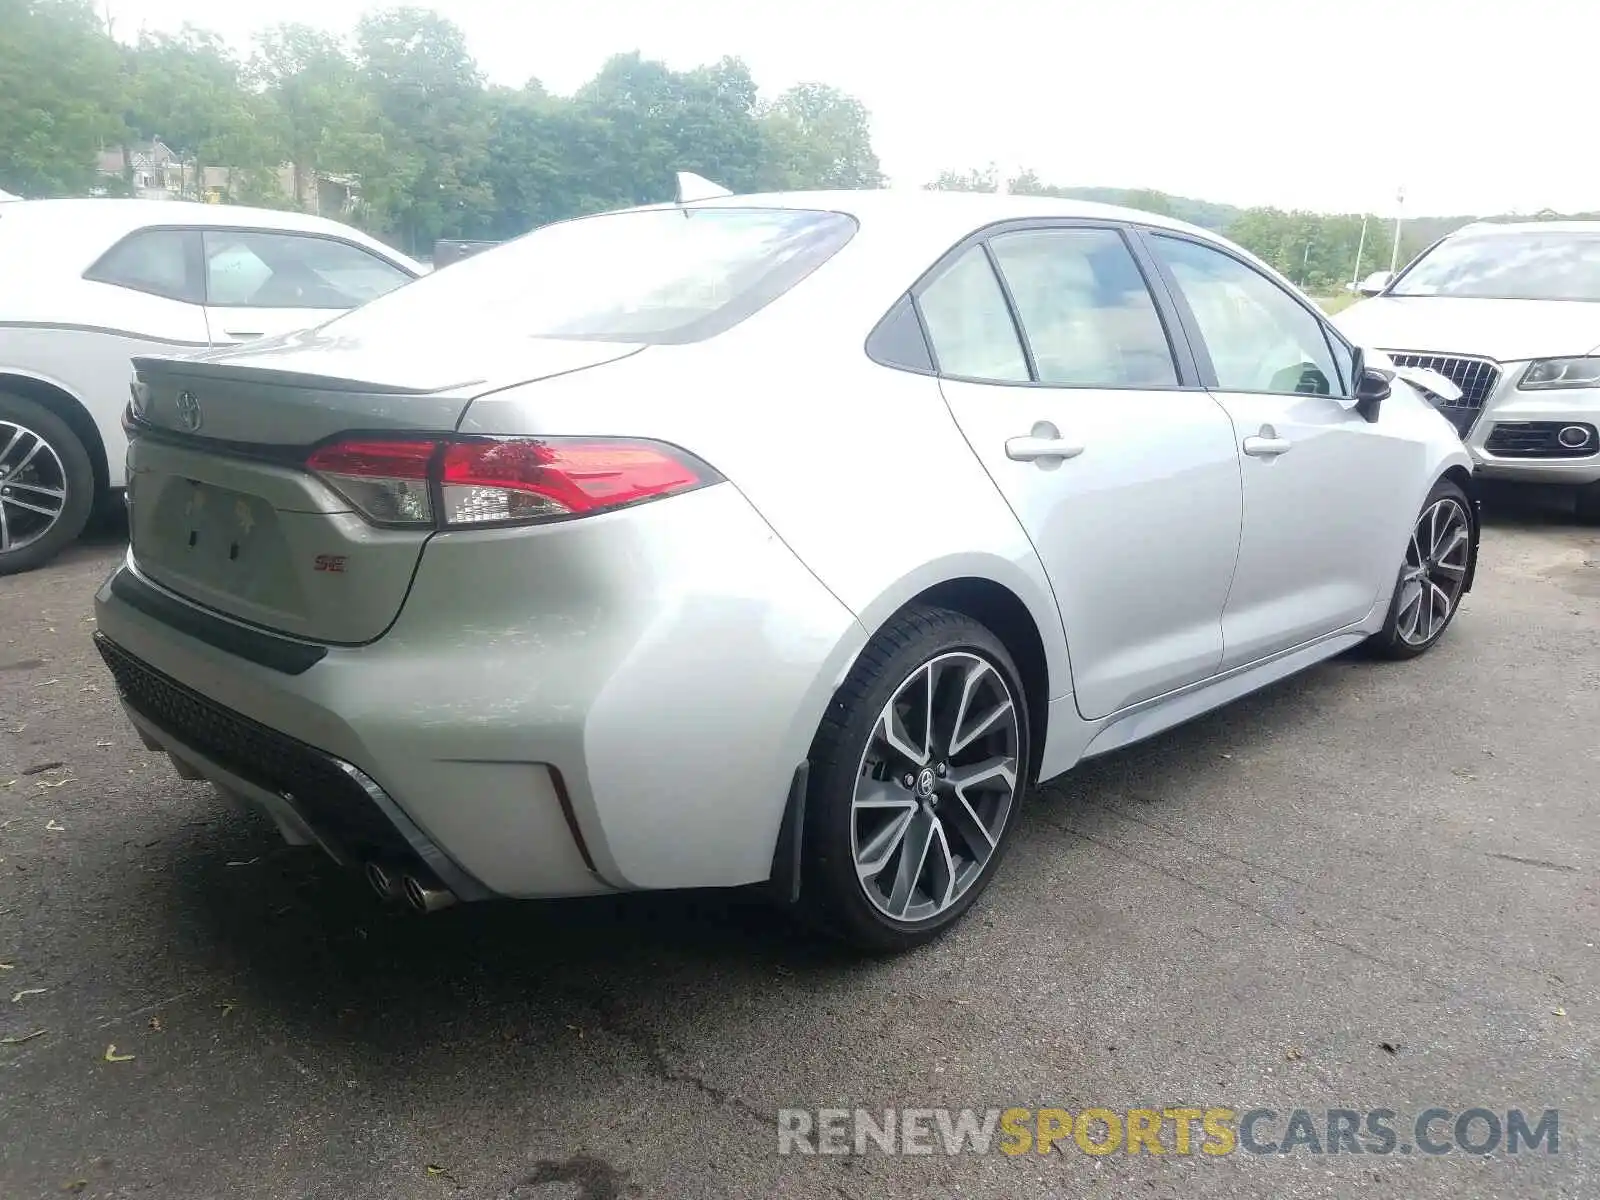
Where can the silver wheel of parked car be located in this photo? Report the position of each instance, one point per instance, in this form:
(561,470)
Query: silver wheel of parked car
(1437,558)
(936,786)
(33,486)
(47,484)
(1434,573)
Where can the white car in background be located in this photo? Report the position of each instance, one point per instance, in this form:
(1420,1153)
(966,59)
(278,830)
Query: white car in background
(1511,314)
(91,283)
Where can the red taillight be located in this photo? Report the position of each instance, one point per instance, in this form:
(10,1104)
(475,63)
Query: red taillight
(499,480)
(387,481)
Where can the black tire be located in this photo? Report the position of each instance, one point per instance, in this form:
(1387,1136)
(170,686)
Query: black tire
(1588,503)
(833,898)
(78,478)
(1389,642)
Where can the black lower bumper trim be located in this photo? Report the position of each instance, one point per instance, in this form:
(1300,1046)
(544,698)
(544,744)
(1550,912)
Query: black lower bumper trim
(253,645)
(345,807)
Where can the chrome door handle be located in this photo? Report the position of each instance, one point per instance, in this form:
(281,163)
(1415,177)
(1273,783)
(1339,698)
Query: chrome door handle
(241,335)
(1267,447)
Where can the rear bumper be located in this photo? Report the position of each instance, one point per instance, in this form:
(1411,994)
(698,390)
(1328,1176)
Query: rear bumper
(609,704)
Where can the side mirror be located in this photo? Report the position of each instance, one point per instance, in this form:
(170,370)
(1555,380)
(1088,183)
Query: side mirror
(1371,386)
(1375,283)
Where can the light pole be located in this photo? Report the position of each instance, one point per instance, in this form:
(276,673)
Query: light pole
(1361,246)
(1399,215)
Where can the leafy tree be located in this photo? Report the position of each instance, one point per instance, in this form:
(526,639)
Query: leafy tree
(433,115)
(60,95)
(187,89)
(820,138)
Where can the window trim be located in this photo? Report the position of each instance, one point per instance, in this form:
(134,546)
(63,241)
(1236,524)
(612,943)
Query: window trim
(196,258)
(296,233)
(194,264)
(1189,378)
(1191,325)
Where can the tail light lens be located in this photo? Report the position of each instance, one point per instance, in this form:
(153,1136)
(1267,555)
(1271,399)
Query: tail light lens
(452,484)
(386,481)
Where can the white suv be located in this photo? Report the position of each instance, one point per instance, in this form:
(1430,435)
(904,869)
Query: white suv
(1511,314)
(91,283)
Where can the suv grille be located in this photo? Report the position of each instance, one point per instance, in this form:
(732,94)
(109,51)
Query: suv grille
(1476,377)
(1542,439)
(331,800)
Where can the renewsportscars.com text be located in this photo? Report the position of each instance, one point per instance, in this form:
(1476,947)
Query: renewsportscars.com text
(1180,1130)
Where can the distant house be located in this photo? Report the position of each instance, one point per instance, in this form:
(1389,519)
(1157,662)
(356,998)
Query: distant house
(156,172)
(152,170)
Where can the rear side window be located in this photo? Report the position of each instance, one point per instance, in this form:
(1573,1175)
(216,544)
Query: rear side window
(1085,308)
(969,324)
(163,262)
(655,276)
(250,269)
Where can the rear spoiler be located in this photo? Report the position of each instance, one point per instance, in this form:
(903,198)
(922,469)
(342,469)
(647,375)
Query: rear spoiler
(447,251)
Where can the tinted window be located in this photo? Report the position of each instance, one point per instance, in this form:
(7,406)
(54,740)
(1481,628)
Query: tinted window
(666,275)
(969,324)
(1085,308)
(285,270)
(1538,265)
(159,261)
(1260,338)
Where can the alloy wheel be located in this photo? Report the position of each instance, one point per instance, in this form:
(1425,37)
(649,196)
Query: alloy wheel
(1435,571)
(33,486)
(936,786)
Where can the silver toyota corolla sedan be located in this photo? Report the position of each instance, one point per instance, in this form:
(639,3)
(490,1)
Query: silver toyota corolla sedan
(775,540)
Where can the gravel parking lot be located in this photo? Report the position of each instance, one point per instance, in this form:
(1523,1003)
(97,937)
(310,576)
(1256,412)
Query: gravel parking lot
(1375,886)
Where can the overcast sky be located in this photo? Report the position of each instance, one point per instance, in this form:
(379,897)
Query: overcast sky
(1469,105)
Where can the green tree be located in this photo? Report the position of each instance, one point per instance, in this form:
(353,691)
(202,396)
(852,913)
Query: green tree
(820,138)
(60,96)
(433,116)
(188,90)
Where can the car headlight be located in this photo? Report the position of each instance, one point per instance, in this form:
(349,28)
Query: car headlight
(1561,373)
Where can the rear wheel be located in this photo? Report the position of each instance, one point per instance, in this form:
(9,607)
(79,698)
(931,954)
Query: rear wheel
(1433,575)
(917,773)
(46,485)
(1589,503)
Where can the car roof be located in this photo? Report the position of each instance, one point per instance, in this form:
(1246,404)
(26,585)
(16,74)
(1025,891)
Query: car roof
(945,213)
(109,218)
(1500,228)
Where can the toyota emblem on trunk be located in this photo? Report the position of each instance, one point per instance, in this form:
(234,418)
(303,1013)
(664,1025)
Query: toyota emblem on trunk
(188,411)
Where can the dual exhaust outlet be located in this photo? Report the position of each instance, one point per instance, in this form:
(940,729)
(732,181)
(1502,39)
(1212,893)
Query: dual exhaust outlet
(421,895)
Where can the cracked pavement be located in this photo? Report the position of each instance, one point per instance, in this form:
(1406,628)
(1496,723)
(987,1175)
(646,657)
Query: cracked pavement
(1242,912)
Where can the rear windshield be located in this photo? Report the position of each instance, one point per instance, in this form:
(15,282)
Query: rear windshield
(655,276)
(1538,265)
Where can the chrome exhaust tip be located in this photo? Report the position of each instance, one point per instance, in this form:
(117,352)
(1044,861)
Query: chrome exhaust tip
(426,898)
(383,881)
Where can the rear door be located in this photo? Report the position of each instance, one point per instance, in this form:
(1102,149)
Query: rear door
(261,283)
(1320,482)
(1055,360)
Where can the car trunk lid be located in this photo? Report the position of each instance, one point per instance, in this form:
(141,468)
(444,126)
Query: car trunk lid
(222,510)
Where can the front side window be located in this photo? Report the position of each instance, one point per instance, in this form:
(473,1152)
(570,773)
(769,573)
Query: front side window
(1083,303)
(249,269)
(1259,337)
(1537,265)
(653,276)
(158,261)
(969,325)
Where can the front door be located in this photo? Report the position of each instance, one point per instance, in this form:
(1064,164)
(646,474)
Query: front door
(1065,384)
(261,283)
(1319,479)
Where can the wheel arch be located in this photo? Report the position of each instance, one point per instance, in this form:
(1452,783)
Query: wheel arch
(1462,477)
(1005,614)
(52,396)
